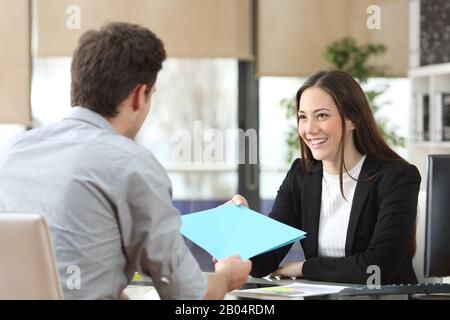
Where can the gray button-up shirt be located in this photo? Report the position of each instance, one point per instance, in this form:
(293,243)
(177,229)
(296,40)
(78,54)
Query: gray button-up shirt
(108,203)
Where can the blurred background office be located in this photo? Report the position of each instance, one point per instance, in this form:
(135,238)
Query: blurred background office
(237,64)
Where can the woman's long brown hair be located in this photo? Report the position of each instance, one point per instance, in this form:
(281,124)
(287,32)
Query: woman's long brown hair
(352,104)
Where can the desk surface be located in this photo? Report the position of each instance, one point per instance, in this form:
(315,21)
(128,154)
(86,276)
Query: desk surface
(144,290)
(286,281)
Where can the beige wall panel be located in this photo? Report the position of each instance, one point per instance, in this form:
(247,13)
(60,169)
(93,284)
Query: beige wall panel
(14,62)
(191,29)
(394,32)
(293,34)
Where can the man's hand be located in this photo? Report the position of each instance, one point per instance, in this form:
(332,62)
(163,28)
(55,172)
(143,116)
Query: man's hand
(238,200)
(234,270)
(231,273)
(290,269)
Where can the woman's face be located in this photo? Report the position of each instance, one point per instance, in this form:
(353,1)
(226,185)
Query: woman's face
(320,124)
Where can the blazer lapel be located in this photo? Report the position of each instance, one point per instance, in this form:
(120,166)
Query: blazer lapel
(311,200)
(362,190)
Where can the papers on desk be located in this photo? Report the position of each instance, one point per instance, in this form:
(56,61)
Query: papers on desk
(296,291)
(232,229)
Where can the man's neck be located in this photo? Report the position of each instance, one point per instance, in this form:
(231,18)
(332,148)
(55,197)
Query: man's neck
(120,126)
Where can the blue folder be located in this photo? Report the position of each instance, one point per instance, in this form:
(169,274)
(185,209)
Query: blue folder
(232,229)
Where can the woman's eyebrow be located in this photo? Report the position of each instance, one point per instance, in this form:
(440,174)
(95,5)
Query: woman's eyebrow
(315,111)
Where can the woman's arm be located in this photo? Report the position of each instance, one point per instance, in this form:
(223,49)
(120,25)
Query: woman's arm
(290,269)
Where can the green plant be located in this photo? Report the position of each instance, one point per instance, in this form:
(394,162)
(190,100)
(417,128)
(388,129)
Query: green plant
(348,56)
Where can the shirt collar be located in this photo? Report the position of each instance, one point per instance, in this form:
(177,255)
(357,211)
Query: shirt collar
(86,115)
(369,166)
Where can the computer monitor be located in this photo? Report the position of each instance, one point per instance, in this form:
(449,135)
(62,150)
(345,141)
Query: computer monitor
(437,234)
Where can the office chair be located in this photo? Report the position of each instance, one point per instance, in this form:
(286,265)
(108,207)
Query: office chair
(418,260)
(28,268)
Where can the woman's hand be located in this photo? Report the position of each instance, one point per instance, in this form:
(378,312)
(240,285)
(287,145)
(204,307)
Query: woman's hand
(290,269)
(237,200)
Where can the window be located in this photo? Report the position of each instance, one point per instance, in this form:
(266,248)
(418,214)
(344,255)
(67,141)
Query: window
(194,97)
(192,122)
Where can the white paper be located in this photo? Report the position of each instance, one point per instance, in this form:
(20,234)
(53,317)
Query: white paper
(291,291)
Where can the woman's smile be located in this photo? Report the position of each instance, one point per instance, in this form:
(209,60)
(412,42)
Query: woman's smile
(317,143)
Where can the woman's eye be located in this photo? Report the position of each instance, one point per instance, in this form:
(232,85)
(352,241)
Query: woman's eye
(322,115)
(301,117)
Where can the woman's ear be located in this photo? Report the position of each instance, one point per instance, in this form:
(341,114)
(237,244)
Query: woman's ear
(350,125)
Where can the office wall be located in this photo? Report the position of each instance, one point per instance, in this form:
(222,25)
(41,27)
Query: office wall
(15,65)
(190,29)
(293,35)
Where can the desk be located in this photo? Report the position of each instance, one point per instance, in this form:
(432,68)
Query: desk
(143,290)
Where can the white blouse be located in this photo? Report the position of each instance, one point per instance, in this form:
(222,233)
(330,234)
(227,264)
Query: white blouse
(335,211)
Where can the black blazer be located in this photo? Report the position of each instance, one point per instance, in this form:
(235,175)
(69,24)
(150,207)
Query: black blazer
(380,231)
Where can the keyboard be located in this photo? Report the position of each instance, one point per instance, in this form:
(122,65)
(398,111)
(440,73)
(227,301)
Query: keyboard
(399,289)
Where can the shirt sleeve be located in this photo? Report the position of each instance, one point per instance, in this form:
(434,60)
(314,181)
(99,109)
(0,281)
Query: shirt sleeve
(150,228)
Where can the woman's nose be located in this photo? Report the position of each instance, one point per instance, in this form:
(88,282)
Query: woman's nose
(310,126)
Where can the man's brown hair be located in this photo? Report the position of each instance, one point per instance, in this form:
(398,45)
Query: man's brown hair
(109,63)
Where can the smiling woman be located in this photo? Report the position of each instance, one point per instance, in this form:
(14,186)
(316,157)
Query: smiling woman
(320,127)
(352,194)
(339,112)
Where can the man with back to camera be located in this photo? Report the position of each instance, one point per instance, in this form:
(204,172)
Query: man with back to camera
(106,198)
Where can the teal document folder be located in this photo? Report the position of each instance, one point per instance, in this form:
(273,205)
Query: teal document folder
(232,229)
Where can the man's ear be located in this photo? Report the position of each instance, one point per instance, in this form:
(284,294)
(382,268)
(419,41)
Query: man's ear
(139,97)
